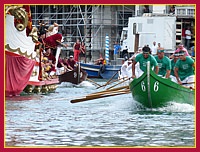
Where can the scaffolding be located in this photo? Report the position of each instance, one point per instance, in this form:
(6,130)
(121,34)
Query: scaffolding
(89,23)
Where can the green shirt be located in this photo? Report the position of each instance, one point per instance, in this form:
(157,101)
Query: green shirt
(164,64)
(172,64)
(143,62)
(185,68)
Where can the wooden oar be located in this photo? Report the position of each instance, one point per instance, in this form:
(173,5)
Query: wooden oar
(189,87)
(113,81)
(187,83)
(118,83)
(108,80)
(114,89)
(110,91)
(92,97)
(93,82)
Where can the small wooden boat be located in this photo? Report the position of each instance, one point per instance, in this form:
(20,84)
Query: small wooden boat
(153,91)
(76,76)
(100,71)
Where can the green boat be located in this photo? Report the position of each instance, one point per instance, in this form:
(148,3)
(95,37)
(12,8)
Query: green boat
(153,91)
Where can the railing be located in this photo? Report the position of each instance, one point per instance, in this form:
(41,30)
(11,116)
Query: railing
(185,11)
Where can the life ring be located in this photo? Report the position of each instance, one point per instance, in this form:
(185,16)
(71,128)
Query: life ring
(102,68)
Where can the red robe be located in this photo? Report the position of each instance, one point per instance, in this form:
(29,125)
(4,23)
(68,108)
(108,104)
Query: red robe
(51,41)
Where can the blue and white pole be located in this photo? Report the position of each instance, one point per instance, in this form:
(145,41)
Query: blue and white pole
(107,49)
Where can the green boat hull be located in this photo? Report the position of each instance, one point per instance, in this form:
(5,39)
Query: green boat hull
(153,91)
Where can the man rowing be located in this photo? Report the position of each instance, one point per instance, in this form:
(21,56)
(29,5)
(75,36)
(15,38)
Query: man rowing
(173,62)
(143,59)
(184,69)
(164,63)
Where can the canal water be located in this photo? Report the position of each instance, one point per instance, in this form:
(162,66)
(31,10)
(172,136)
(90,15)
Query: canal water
(51,120)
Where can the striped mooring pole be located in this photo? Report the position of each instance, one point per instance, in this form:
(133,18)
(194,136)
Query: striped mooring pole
(107,49)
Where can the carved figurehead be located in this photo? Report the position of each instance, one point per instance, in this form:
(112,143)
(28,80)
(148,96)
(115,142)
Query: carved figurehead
(21,17)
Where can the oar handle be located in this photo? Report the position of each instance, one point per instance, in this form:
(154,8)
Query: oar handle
(96,96)
(187,83)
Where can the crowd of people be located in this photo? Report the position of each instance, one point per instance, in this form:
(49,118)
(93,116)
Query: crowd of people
(47,40)
(179,67)
(49,67)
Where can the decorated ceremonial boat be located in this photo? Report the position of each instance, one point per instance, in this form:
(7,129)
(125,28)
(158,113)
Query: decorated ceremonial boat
(24,70)
(153,91)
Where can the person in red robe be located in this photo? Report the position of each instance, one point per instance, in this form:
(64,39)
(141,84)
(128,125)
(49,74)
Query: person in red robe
(77,51)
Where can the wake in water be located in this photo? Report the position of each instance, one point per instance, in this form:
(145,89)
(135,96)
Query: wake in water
(171,107)
(82,84)
(178,107)
(127,102)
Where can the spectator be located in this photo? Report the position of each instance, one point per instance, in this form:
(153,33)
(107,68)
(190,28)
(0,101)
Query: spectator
(188,36)
(159,46)
(117,48)
(146,9)
(172,10)
(77,47)
(154,49)
(181,47)
(83,51)
(193,51)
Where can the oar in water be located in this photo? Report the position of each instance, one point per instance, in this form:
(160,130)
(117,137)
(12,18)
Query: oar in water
(108,80)
(100,95)
(93,82)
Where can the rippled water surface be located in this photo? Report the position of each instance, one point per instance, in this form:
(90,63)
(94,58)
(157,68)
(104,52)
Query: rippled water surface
(51,120)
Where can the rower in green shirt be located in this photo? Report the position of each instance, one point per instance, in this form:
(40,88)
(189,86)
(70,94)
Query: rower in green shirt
(164,63)
(184,69)
(143,59)
(173,62)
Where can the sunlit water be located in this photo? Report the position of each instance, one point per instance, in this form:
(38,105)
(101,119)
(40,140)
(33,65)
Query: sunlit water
(51,120)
